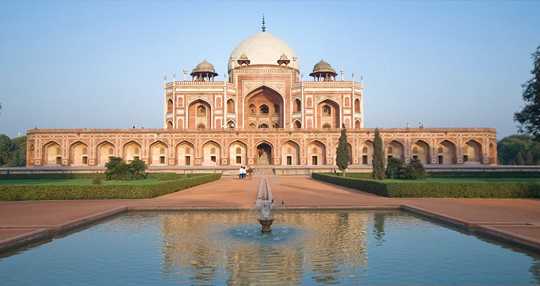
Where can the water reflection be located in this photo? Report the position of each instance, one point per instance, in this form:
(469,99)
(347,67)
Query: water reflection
(214,246)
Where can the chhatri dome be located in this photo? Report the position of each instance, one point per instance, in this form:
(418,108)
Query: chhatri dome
(263,49)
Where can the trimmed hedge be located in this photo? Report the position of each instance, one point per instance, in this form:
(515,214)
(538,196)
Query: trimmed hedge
(36,176)
(98,192)
(436,190)
(480,174)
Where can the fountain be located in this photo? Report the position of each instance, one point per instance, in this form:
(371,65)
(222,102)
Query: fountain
(264,202)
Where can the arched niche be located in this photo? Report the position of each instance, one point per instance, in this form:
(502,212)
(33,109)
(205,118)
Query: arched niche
(290,154)
(199,115)
(105,150)
(264,106)
(446,153)
(316,153)
(366,152)
(328,114)
(132,151)
(472,152)
(420,151)
(211,154)
(158,154)
(52,154)
(78,154)
(237,154)
(185,153)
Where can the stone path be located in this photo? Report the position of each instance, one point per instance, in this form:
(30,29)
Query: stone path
(514,220)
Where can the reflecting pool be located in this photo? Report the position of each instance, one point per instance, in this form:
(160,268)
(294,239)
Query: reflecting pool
(305,247)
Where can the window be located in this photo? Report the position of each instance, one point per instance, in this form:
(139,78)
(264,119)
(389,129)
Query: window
(326,110)
(58,160)
(135,158)
(238,159)
(85,160)
(213,158)
(314,160)
(264,109)
(364,159)
(136,150)
(201,110)
(162,159)
(238,150)
(213,150)
(390,150)
(162,151)
(365,150)
(111,151)
(289,160)
(188,160)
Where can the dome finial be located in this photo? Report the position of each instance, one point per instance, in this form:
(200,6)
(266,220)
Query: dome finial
(263,27)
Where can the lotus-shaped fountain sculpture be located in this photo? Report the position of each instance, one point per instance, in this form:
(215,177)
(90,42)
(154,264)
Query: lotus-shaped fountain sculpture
(264,203)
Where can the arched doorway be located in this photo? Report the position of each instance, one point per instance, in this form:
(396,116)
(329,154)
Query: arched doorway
(316,153)
(199,115)
(185,153)
(446,153)
(264,107)
(158,154)
(237,154)
(328,114)
(290,154)
(366,150)
(420,151)
(105,151)
(211,154)
(52,154)
(394,149)
(78,154)
(132,151)
(264,154)
(472,152)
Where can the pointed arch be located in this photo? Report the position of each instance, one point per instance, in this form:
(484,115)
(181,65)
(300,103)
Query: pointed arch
(264,152)
(170,106)
(316,153)
(328,113)
(472,152)
(132,150)
(297,124)
(231,106)
(237,153)
(290,153)
(446,153)
(395,149)
(420,151)
(105,150)
(297,106)
(78,154)
(52,153)
(185,153)
(366,151)
(159,154)
(211,151)
(264,105)
(199,112)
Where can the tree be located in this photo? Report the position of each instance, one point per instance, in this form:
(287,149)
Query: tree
(12,151)
(343,156)
(378,157)
(511,148)
(529,116)
(137,168)
(414,170)
(394,168)
(116,169)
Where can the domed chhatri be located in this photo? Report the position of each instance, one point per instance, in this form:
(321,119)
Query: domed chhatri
(263,49)
(323,71)
(204,71)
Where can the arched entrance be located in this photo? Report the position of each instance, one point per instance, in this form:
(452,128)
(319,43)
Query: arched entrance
(264,154)
(264,107)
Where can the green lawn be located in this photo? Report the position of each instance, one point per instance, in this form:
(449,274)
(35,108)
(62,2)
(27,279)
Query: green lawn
(77,182)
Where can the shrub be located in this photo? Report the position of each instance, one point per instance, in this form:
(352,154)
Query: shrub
(96,180)
(98,192)
(414,170)
(436,190)
(394,168)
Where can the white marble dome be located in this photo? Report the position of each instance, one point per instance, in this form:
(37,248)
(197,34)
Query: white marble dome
(263,49)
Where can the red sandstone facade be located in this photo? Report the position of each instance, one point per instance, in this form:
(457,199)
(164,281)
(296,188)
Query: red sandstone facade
(265,113)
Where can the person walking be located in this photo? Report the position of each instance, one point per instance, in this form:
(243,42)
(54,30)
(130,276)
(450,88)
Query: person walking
(249,172)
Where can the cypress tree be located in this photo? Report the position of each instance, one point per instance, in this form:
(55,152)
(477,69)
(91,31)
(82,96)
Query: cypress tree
(343,156)
(378,157)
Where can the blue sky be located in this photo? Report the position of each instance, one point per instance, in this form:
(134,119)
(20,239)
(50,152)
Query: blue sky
(100,64)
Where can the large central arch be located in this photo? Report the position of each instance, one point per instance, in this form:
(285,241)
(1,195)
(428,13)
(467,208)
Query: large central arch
(264,108)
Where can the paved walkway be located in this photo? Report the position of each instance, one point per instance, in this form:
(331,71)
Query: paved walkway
(514,220)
